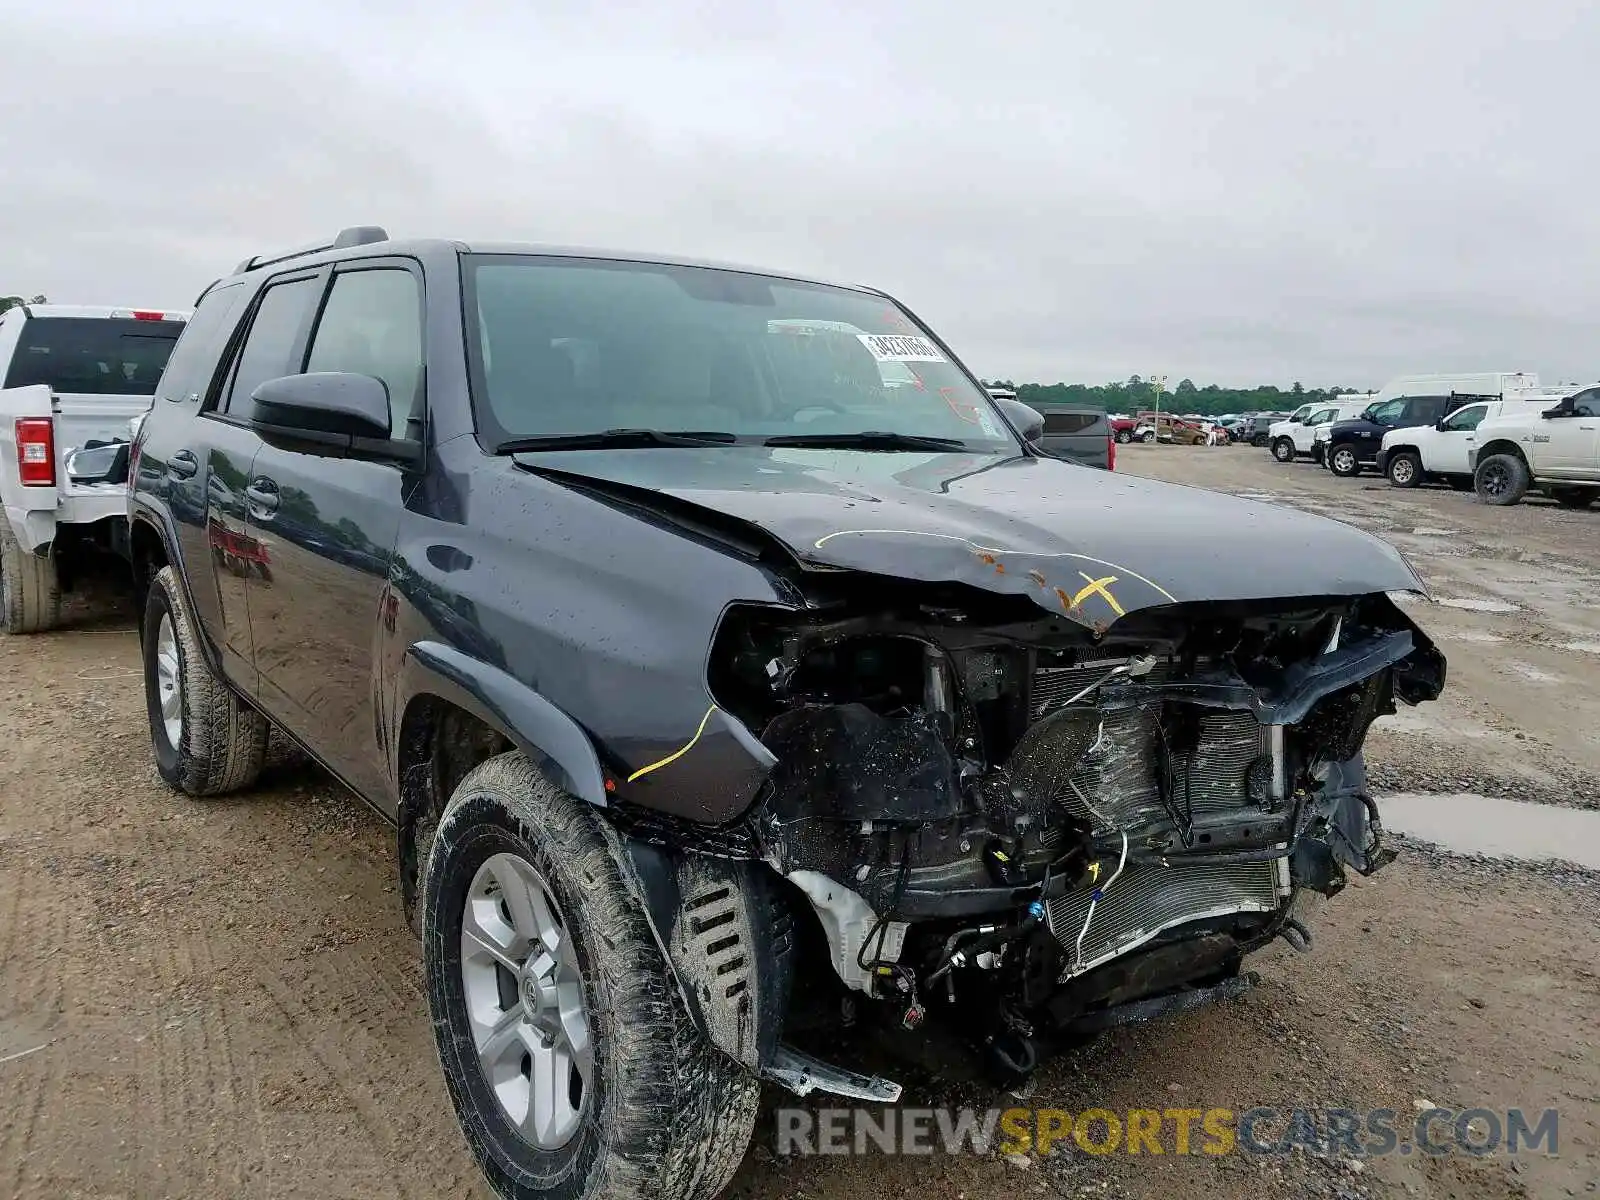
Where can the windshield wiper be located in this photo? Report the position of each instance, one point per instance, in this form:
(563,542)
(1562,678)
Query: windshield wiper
(870,439)
(616,439)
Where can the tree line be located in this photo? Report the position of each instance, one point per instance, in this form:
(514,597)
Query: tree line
(12,301)
(1138,393)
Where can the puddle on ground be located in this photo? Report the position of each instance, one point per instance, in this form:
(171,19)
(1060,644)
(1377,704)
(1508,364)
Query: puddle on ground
(1483,606)
(1473,824)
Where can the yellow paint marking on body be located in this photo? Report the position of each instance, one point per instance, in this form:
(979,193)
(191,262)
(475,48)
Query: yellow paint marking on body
(1098,587)
(676,754)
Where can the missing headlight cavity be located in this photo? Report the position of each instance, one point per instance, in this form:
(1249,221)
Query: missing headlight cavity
(1023,803)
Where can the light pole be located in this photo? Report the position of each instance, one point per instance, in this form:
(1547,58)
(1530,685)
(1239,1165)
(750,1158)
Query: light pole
(1161,385)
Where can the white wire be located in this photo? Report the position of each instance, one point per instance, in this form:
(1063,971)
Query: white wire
(1077,957)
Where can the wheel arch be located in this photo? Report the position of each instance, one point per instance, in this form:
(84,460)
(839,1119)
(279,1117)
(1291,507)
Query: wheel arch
(1499,446)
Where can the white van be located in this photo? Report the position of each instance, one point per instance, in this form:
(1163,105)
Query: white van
(1423,453)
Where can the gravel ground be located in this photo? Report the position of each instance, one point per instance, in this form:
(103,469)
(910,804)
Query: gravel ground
(220,998)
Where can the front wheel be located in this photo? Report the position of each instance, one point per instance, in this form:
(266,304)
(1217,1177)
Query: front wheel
(1502,479)
(1147,436)
(206,740)
(573,1067)
(1124,437)
(1343,461)
(1283,450)
(1405,469)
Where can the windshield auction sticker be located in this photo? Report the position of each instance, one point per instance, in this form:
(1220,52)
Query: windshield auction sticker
(900,347)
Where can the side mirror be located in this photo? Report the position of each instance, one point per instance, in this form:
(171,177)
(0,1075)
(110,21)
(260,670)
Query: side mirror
(1027,421)
(327,407)
(1550,414)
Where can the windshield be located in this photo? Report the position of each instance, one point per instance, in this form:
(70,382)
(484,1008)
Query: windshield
(567,346)
(111,356)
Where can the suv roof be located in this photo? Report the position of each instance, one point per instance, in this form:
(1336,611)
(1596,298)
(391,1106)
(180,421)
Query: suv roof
(359,241)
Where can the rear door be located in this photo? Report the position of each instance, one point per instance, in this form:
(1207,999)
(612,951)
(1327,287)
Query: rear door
(329,525)
(226,447)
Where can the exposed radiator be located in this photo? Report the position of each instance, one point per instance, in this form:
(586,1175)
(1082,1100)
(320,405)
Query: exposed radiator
(1146,900)
(1118,785)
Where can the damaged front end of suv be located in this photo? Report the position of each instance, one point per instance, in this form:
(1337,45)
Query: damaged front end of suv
(994,816)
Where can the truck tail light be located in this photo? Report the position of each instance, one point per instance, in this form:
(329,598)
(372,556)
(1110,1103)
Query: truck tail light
(140,314)
(1111,452)
(36,451)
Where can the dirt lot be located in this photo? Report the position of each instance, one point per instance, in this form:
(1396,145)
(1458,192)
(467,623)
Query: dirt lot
(220,999)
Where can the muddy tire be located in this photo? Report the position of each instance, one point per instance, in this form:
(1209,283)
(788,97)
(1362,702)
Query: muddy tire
(1343,461)
(1404,469)
(1283,450)
(1573,498)
(30,595)
(206,740)
(1501,479)
(660,1113)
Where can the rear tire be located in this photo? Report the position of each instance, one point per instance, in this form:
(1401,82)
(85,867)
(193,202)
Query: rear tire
(664,1114)
(206,740)
(1577,499)
(1501,479)
(1283,450)
(1405,469)
(30,594)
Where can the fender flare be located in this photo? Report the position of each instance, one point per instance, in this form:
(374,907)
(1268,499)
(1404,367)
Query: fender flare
(534,725)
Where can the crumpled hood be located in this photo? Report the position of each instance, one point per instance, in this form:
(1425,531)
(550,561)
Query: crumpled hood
(1090,544)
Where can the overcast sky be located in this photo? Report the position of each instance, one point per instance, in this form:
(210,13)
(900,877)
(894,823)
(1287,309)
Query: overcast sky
(1065,190)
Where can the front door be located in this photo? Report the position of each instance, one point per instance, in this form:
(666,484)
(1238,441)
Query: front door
(1446,451)
(1575,438)
(329,525)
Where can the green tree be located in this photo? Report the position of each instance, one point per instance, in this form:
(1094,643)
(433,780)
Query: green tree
(13,301)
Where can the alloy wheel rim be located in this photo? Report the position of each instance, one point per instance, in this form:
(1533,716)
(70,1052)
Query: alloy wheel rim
(169,681)
(1344,460)
(1402,470)
(524,996)
(1494,481)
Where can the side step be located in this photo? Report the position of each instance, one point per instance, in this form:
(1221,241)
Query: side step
(803,1074)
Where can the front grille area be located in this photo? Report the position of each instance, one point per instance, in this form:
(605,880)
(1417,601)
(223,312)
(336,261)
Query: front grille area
(1145,900)
(1117,785)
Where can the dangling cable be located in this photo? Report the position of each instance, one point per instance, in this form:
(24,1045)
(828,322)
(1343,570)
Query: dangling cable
(1094,899)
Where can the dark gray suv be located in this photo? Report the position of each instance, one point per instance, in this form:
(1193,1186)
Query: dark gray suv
(747,696)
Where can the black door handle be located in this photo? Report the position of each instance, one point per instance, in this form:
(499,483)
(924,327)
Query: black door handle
(183,465)
(263,496)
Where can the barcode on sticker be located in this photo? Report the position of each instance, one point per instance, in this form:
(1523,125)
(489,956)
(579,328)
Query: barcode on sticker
(900,347)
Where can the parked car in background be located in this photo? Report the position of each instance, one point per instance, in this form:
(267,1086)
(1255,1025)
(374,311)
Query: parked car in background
(72,379)
(1124,429)
(1077,433)
(1442,451)
(1349,445)
(1296,438)
(1260,428)
(1555,449)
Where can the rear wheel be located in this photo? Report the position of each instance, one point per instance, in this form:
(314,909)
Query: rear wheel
(206,740)
(573,1067)
(1343,461)
(30,594)
(1405,469)
(1575,498)
(1283,450)
(1502,479)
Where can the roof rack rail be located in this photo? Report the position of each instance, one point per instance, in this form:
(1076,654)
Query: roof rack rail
(355,235)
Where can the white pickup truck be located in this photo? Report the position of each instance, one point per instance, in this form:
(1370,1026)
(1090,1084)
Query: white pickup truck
(73,379)
(1555,449)
(1296,437)
(1422,453)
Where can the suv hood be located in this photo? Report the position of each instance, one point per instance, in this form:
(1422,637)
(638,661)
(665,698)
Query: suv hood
(1080,542)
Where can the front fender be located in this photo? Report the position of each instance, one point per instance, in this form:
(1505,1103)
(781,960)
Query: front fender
(535,726)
